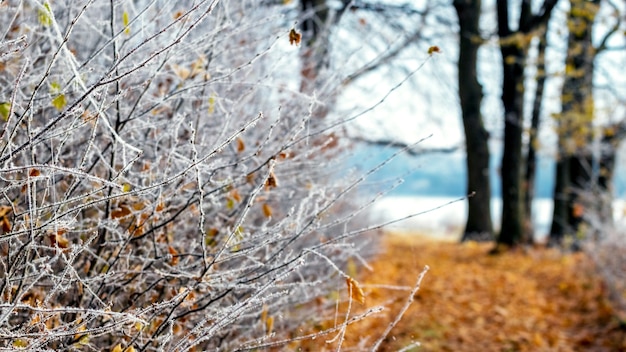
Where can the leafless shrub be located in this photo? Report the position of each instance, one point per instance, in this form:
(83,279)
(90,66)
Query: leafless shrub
(162,185)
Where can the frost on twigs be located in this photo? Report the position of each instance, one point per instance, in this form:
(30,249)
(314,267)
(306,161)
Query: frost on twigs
(160,185)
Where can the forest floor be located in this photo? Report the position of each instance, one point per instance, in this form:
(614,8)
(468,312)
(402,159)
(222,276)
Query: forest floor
(526,300)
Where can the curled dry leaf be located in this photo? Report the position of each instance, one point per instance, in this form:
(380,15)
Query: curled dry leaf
(434,49)
(174,253)
(267,210)
(355,290)
(294,37)
(240,145)
(271,182)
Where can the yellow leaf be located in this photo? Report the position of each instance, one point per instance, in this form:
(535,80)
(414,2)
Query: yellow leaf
(55,88)
(125,22)
(264,313)
(83,340)
(5,110)
(126,187)
(351,267)
(20,343)
(355,290)
(117,348)
(59,102)
(269,325)
(130,349)
(212,103)
(45,15)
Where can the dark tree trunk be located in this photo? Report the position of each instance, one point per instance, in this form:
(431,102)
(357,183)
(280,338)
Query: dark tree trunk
(513,60)
(513,47)
(479,225)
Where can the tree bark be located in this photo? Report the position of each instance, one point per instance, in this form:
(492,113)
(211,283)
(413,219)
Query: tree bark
(479,225)
(514,49)
(575,124)
(513,60)
(531,156)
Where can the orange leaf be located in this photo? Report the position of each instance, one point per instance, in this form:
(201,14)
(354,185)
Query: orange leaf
(174,254)
(34,173)
(234,194)
(294,37)
(434,49)
(267,210)
(121,211)
(355,290)
(578,210)
(240,145)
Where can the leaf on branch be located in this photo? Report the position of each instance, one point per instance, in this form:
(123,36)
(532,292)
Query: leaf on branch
(57,239)
(45,15)
(267,210)
(212,99)
(240,145)
(20,343)
(271,182)
(181,72)
(294,37)
(59,102)
(174,253)
(434,49)
(234,194)
(5,109)
(121,211)
(209,239)
(355,290)
(125,22)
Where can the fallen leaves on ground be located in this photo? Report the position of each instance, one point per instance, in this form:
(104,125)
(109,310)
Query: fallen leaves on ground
(526,300)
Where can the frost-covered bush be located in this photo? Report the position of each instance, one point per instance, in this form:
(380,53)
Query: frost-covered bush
(163,185)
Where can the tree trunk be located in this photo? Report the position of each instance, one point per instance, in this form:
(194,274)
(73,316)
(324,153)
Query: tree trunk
(531,156)
(479,225)
(575,124)
(513,60)
(514,50)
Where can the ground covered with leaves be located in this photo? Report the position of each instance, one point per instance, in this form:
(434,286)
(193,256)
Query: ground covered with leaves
(526,300)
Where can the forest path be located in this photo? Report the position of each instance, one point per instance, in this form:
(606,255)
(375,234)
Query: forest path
(525,300)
